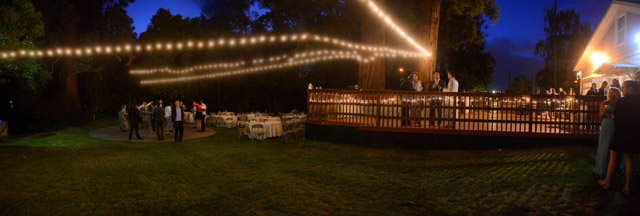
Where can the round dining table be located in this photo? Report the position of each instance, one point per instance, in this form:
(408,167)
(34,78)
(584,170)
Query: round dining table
(271,128)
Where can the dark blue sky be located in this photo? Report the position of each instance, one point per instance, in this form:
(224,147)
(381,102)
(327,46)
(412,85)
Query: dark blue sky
(512,39)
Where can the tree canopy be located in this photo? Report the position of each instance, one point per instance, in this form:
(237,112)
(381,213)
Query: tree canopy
(565,40)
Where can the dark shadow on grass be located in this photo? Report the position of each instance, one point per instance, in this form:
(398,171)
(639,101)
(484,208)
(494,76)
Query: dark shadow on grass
(389,140)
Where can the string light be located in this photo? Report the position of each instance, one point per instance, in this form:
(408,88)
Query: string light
(255,69)
(271,59)
(395,27)
(188,69)
(232,42)
(296,60)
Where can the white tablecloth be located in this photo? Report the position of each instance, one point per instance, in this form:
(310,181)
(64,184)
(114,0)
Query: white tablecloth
(188,117)
(234,119)
(254,115)
(271,128)
(268,118)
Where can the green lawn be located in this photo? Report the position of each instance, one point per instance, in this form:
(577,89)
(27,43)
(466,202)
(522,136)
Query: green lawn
(68,172)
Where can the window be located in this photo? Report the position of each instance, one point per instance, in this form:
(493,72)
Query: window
(621,27)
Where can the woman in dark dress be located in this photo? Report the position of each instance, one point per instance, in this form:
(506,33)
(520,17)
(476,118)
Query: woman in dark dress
(607,126)
(624,140)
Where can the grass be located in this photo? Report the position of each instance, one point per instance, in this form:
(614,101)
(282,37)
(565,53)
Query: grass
(67,172)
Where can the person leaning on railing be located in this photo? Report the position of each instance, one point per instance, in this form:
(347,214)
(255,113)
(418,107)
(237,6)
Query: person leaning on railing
(415,84)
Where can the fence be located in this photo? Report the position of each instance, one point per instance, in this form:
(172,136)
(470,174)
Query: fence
(457,113)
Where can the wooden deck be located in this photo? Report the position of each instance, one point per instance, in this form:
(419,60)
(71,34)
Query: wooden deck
(463,113)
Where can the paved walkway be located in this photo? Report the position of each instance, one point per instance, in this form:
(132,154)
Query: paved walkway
(114,134)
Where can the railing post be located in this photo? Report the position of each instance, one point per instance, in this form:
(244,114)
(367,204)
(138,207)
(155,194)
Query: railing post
(455,110)
(531,114)
(378,107)
(309,99)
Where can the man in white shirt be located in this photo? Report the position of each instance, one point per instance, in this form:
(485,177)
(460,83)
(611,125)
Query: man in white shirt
(167,117)
(452,86)
(204,115)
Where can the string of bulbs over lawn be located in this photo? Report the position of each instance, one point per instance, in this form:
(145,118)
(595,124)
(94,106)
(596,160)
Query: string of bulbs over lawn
(256,61)
(210,44)
(378,51)
(292,62)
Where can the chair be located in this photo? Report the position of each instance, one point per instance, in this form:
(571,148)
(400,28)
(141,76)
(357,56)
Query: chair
(242,130)
(287,132)
(287,120)
(229,122)
(211,121)
(257,132)
(220,122)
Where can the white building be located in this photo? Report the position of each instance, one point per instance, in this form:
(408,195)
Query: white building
(613,51)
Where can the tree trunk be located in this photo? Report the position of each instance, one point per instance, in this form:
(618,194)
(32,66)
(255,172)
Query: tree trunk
(69,76)
(371,74)
(69,83)
(429,37)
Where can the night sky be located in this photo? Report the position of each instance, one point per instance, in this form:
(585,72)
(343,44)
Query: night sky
(512,39)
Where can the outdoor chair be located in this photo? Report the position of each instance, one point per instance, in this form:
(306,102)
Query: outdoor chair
(287,120)
(229,122)
(288,132)
(257,132)
(242,130)
(220,122)
(211,121)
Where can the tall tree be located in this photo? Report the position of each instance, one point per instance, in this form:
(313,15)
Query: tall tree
(429,26)
(371,73)
(570,36)
(20,78)
(76,22)
(20,27)
(226,15)
(520,85)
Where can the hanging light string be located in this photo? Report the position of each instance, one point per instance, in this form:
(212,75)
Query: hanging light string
(254,69)
(199,45)
(255,61)
(377,11)
(296,60)
(222,65)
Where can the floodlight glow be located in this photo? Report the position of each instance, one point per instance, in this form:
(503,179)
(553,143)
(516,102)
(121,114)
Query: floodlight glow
(598,59)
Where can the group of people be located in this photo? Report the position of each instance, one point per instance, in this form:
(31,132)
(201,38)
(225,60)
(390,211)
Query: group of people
(435,85)
(163,119)
(604,88)
(552,91)
(620,123)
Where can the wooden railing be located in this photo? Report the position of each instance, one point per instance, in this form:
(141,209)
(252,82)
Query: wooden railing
(461,113)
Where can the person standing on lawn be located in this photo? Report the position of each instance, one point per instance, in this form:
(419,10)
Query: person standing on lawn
(158,113)
(134,121)
(625,140)
(177,116)
(167,119)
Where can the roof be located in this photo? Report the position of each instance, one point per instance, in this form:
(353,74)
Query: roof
(601,29)
(613,69)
